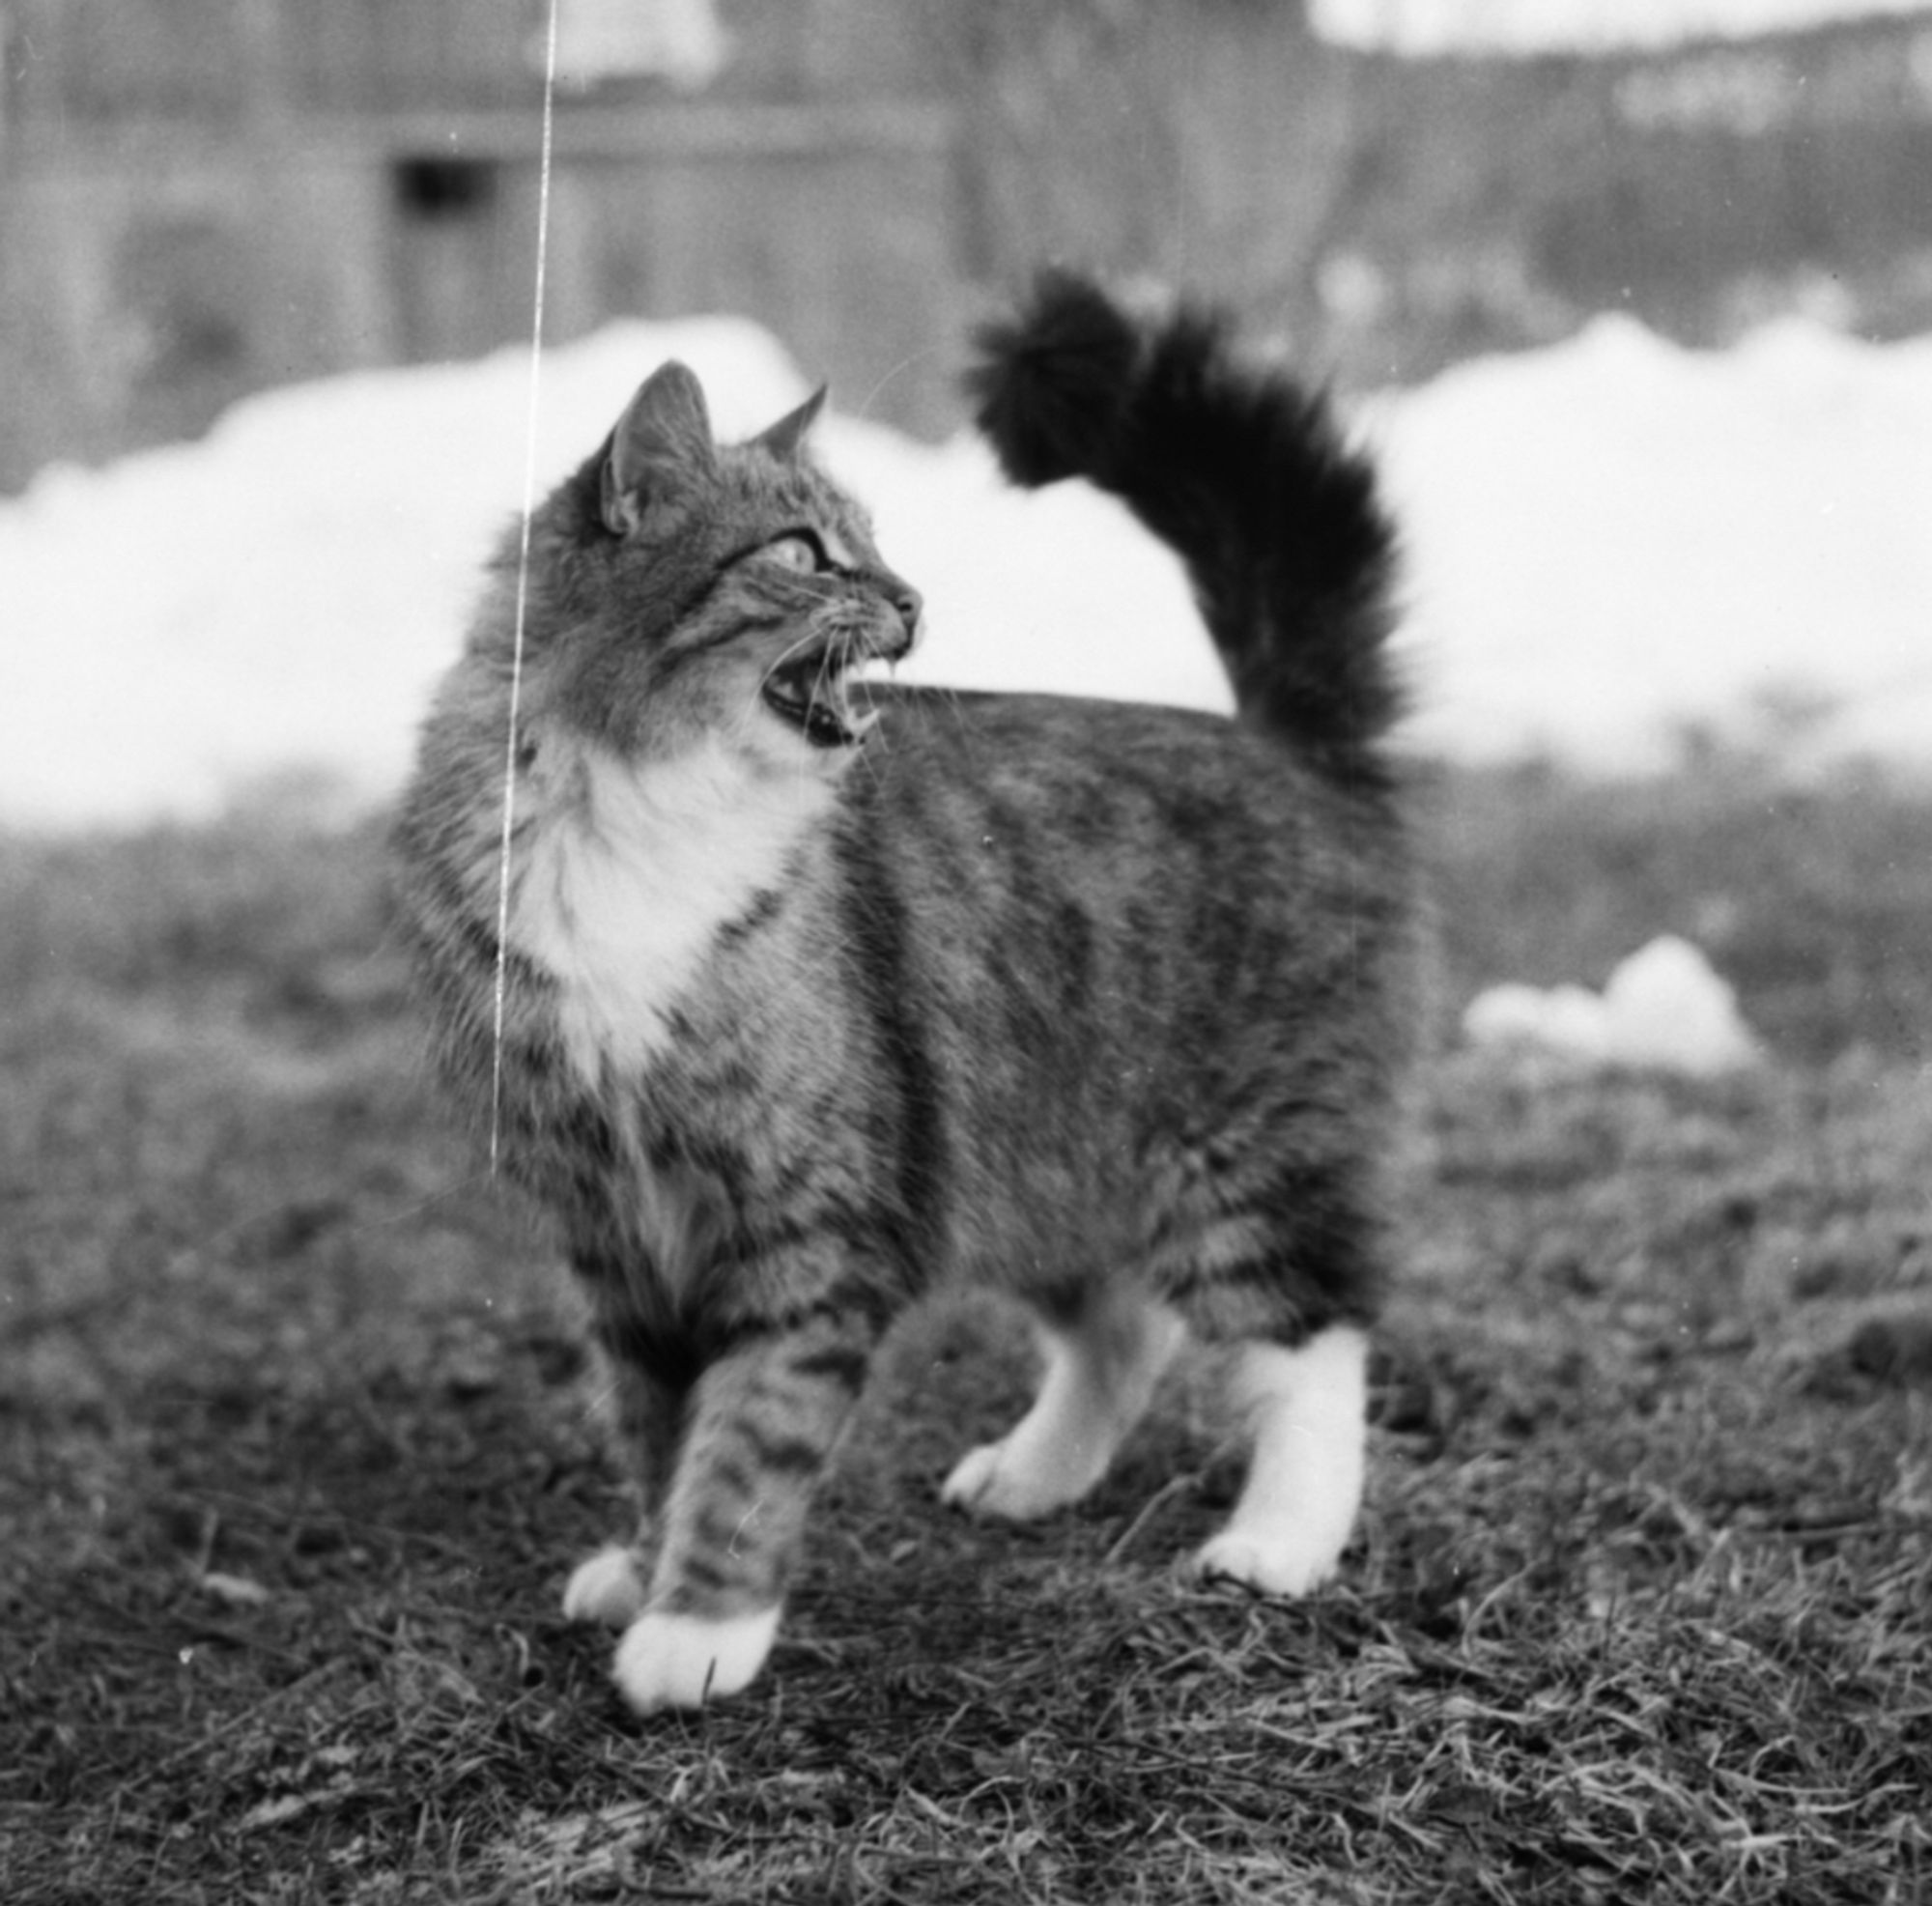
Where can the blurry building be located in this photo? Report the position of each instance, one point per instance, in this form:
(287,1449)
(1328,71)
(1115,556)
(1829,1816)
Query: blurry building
(1393,215)
(1703,189)
(202,197)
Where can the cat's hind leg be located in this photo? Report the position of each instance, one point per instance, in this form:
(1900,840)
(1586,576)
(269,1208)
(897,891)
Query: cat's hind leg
(1102,1365)
(1305,1410)
(1276,1253)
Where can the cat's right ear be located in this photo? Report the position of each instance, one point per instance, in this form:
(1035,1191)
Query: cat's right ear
(661,444)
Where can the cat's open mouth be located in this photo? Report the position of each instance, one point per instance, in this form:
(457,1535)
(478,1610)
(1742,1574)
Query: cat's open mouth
(813,692)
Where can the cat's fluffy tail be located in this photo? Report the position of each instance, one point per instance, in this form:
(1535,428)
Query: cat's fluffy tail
(1240,468)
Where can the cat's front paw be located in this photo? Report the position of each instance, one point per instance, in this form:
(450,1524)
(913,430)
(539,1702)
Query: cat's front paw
(684,1661)
(607,1589)
(1275,1565)
(993,1480)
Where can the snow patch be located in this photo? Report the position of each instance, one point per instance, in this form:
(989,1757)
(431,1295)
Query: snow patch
(1608,543)
(1537,26)
(1617,540)
(1664,1008)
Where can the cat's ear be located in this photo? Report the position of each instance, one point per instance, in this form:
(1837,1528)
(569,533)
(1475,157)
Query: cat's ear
(662,442)
(783,438)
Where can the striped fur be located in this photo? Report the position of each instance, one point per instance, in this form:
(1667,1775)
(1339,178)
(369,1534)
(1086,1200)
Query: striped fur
(823,993)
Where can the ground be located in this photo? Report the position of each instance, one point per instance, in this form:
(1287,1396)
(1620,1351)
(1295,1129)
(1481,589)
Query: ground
(295,1453)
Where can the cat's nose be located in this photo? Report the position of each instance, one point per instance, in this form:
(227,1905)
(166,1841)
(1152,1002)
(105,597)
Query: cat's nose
(907,603)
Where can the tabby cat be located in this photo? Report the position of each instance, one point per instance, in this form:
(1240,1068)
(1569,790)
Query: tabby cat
(820,991)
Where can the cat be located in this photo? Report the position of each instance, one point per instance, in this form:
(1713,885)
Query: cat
(819,992)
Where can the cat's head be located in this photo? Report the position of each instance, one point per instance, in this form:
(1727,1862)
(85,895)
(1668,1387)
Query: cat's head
(682,590)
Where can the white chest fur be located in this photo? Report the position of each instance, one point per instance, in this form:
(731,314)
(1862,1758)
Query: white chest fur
(625,883)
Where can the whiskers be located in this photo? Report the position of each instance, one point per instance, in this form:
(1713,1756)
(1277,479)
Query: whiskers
(842,638)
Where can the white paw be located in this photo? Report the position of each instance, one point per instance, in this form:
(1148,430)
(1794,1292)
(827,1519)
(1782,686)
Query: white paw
(683,1661)
(604,1589)
(990,1480)
(1275,1565)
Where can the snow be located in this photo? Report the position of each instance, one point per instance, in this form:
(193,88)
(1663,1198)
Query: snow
(1607,540)
(1531,26)
(1664,1007)
(1617,539)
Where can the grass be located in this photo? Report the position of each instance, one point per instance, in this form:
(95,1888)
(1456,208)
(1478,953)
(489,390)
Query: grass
(293,1454)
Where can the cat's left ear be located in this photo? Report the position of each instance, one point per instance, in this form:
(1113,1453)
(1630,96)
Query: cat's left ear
(783,438)
(661,444)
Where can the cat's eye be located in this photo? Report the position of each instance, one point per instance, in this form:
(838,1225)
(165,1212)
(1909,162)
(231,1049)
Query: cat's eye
(799,551)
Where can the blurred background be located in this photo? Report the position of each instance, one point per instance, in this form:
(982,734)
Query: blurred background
(1632,299)
(202,198)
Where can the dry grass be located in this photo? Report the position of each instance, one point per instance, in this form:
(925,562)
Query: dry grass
(294,1455)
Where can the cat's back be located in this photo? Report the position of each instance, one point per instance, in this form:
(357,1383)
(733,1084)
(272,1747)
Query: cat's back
(1121,869)
(1079,784)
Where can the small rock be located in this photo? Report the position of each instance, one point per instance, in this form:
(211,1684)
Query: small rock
(237,1590)
(1896,1349)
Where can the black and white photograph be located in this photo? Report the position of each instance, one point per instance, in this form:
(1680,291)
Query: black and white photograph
(966,953)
